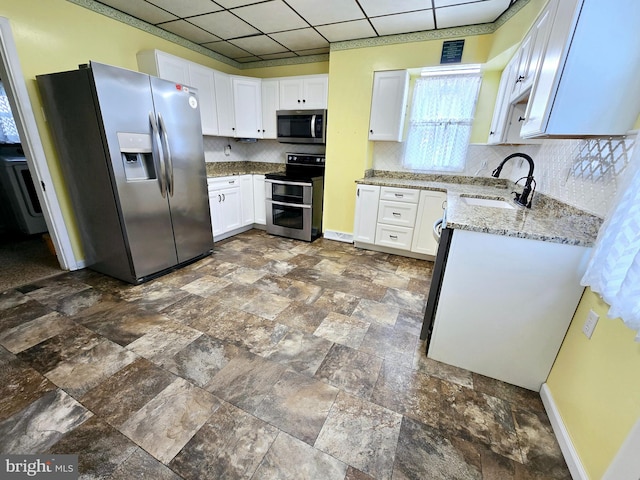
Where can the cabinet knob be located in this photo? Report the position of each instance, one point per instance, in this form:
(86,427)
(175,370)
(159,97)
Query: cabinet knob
(370,131)
(521,119)
(304,101)
(298,100)
(492,133)
(520,78)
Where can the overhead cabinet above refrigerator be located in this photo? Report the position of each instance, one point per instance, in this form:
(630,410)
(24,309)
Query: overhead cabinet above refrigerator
(130,147)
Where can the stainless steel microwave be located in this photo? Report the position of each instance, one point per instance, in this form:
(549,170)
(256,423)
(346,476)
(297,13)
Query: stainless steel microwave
(302,126)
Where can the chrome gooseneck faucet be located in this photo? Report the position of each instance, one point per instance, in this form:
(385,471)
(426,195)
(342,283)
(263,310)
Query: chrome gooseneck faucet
(522,198)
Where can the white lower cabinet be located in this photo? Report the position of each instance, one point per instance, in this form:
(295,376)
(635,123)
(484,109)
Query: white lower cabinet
(366,217)
(259,200)
(397,220)
(430,209)
(224,202)
(246,196)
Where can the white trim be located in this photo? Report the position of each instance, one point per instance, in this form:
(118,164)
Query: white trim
(562,434)
(626,464)
(339,236)
(11,74)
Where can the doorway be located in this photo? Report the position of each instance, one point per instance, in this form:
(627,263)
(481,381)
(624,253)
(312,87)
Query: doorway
(35,250)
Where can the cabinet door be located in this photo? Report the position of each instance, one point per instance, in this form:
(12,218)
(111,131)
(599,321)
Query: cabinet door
(315,91)
(388,105)
(247,102)
(270,105)
(202,78)
(430,209)
(291,94)
(172,68)
(224,104)
(397,213)
(231,208)
(366,216)
(501,111)
(522,78)
(246,197)
(215,207)
(259,200)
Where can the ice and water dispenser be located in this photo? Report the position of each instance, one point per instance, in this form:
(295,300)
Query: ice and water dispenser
(137,157)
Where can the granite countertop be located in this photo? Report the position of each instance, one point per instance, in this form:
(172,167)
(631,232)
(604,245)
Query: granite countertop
(548,220)
(224,169)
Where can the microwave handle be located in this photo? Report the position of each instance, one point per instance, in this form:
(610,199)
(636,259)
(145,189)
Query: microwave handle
(313,126)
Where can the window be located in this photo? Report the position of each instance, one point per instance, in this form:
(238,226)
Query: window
(614,269)
(440,122)
(8,130)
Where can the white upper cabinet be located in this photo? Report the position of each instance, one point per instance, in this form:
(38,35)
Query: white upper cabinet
(224,104)
(270,105)
(500,120)
(304,92)
(586,82)
(202,79)
(178,70)
(247,100)
(388,105)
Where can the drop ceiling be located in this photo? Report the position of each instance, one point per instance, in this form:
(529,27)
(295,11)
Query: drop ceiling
(247,31)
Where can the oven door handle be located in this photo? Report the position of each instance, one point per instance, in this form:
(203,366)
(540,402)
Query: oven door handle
(287,182)
(284,204)
(313,126)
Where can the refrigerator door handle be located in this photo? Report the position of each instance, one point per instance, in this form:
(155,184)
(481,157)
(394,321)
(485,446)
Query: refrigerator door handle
(158,156)
(167,152)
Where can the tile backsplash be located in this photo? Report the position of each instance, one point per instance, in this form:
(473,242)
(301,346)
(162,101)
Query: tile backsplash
(581,172)
(267,151)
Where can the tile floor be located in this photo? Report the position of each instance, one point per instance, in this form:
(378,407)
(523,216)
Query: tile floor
(271,359)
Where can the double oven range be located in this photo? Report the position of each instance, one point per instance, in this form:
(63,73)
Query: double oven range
(294,198)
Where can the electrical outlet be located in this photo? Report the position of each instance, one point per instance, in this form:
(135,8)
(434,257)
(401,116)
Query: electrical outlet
(590,324)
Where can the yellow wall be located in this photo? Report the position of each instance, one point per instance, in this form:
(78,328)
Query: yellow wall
(596,385)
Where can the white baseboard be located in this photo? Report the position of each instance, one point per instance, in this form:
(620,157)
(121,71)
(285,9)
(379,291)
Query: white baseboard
(562,434)
(339,236)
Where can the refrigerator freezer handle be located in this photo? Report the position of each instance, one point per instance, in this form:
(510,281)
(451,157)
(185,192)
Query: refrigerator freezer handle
(158,156)
(167,152)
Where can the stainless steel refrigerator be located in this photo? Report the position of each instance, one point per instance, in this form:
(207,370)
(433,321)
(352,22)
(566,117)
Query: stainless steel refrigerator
(130,147)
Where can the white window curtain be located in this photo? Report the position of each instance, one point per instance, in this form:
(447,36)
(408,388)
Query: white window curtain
(440,122)
(8,130)
(614,269)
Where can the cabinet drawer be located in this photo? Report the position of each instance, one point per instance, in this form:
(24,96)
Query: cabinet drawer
(223,182)
(397,213)
(409,195)
(395,237)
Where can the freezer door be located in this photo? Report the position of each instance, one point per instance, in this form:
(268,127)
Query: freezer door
(125,103)
(178,117)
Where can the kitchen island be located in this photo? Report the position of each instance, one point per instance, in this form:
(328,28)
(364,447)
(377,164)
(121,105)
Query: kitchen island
(506,281)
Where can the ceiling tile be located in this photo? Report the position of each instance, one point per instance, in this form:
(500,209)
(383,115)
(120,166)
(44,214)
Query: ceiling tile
(337,32)
(141,9)
(258,45)
(187,8)
(375,8)
(470,13)
(189,31)
(269,17)
(327,11)
(300,39)
(226,49)
(224,25)
(235,3)
(404,22)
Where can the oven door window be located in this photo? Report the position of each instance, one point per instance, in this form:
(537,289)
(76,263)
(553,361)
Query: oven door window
(287,216)
(288,193)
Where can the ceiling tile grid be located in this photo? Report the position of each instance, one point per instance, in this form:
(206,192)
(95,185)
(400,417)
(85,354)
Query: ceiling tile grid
(258,30)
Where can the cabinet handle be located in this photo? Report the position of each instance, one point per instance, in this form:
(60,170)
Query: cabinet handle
(219,198)
(399,195)
(396,214)
(520,78)
(492,133)
(394,237)
(357,192)
(232,182)
(521,119)
(223,197)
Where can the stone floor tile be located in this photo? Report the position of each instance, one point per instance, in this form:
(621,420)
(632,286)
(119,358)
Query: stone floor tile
(163,341)
(266,305)
(441,370)
(361,434)
(206,286)
(292,459)
(524,398)
(405,299)
(230,445)
(41,424)
(338,302)
(19,314)
(153,296)
(142,466)
(167,422)
(299,351)
(12,298)
(99,446)
(350,370)
(191,309)
(289,288)
(303,317)
(298,405)
(127,391)
(375,312)
(341,329)
(31,333)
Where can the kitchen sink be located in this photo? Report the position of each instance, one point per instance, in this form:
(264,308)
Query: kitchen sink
(486,202)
